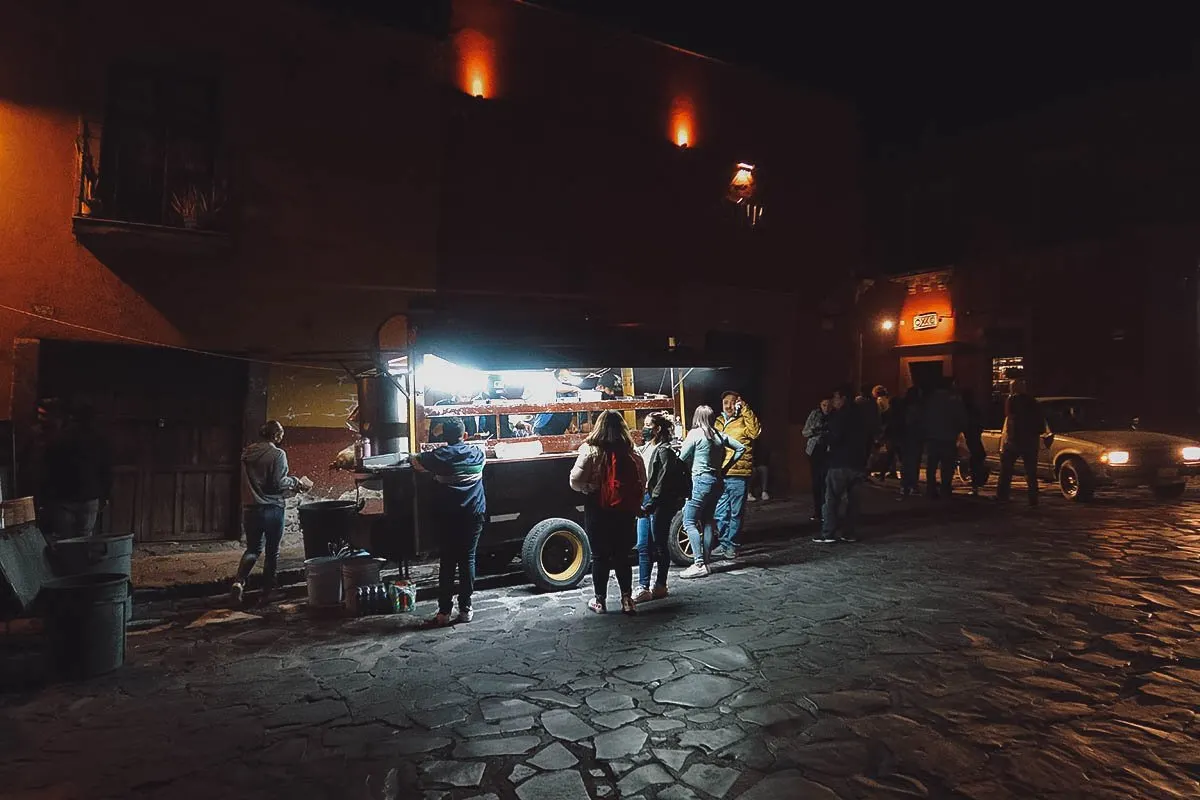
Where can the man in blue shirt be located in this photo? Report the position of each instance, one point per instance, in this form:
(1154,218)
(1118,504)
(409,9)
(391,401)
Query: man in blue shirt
(459,507)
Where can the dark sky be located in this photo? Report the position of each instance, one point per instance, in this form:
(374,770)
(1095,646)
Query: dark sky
(914,66)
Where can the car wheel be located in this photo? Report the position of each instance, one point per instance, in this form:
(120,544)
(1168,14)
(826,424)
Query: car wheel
(556,555)
(1075,481)
(678,543)
(1172,491)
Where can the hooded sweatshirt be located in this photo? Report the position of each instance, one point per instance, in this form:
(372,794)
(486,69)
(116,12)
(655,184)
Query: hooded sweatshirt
(265,479)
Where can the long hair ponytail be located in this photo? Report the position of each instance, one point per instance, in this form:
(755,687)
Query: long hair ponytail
(703,419)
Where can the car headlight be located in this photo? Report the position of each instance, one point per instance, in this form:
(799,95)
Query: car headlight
(1115,457)
(1191,453)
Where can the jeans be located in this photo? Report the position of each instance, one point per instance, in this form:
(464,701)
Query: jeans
(842,482)
(611,533)
(910,467)
(70,520)
(261,523)
(653,533)
(1008,460)
(730,510)
(459,539)
(943,455)
(816,465)
(698,514)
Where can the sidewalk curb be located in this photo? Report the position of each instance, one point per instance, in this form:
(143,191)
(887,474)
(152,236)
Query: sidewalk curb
(918,508)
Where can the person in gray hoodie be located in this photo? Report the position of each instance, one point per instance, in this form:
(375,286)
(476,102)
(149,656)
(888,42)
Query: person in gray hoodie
(266,486)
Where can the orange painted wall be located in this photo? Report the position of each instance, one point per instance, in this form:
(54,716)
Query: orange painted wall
(937,301)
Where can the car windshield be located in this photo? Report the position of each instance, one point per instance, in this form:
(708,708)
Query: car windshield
(1068,416)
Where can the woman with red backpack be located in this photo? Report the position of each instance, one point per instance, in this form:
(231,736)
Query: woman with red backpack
(612,476)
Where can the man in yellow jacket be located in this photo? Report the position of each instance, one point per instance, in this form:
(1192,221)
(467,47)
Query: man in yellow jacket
(738,422)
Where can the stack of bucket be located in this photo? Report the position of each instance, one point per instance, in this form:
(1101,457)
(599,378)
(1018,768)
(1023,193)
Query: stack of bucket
(333,582)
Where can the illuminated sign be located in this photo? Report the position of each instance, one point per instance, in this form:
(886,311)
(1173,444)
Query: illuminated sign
(927,321)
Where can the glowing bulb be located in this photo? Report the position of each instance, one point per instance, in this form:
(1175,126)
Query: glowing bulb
(887,324)
(477,86)
(681,136)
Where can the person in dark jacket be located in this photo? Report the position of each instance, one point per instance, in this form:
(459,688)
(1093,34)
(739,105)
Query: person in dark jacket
(943,419)
(266,486)
(849,442)
(459,508)
(667,487)
(77,481)
(815,429)
(914,441)
(1024,431)
(973,433)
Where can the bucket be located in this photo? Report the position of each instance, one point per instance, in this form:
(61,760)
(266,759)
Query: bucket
(85,619)
(326,522)
(91,555)
(324,578)
(356,572)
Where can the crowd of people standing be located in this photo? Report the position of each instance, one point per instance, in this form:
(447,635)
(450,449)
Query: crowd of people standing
(873,435)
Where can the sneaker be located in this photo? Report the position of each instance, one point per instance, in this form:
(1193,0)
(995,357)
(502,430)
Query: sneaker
(659,592)
(823,539)
(765,497)
(237,593)
(597,605)
(846,539)
(641,594)
(627,605)
(695,571)
(439,620)
(751,498)
(465,615)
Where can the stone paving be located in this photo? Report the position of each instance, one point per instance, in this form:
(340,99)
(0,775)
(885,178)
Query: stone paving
(996,653)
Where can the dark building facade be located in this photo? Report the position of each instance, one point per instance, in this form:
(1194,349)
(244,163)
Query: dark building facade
(1064,244)
(272,181)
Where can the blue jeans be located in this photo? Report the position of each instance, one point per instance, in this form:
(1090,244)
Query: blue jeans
(730,509)
(841,483)
(459,540)
(261,524)
(653,533)
(698,514)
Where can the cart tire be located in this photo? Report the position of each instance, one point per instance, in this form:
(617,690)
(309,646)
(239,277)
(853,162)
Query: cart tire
(678,544)
(556,555)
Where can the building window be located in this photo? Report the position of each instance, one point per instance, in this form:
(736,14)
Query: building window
(158,150)
(1005,370)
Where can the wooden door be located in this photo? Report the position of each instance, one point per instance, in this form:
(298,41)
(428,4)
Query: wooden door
(174,423)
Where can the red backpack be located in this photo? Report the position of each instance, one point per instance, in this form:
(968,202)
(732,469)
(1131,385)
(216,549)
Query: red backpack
(620,488)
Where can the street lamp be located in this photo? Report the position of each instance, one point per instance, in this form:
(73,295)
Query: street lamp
(887,325)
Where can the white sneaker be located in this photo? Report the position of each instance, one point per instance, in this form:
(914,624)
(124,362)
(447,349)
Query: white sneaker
(642,594)
(695,571)
(766,497)
(237,593)
(751,498)
(465,615)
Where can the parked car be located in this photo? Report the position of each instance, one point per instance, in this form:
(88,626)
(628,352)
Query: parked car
(1088,451)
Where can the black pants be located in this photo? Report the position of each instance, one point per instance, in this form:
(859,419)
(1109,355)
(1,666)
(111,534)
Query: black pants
(1008,460)
(459,539)
(943,455)
(612,535)
(816,463)
(978,460)
(262,525)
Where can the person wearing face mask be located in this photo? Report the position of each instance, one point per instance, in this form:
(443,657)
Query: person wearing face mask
(667,486)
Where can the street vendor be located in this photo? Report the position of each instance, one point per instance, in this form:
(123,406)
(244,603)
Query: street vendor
(459,506)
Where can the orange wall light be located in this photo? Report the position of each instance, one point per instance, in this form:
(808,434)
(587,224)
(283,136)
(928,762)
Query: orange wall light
(683,123)
(476,64)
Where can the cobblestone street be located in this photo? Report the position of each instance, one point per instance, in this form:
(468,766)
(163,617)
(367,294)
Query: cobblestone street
(993,653)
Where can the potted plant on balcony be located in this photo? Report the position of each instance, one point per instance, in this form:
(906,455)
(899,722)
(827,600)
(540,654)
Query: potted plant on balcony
(197,208)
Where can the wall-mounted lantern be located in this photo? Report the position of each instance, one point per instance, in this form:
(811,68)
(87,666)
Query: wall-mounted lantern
(476,64)
(683,123)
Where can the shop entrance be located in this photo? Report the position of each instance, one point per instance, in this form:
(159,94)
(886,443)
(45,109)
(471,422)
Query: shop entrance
(922,372)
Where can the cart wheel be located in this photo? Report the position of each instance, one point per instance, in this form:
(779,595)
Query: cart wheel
(556,555)
(678,543)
